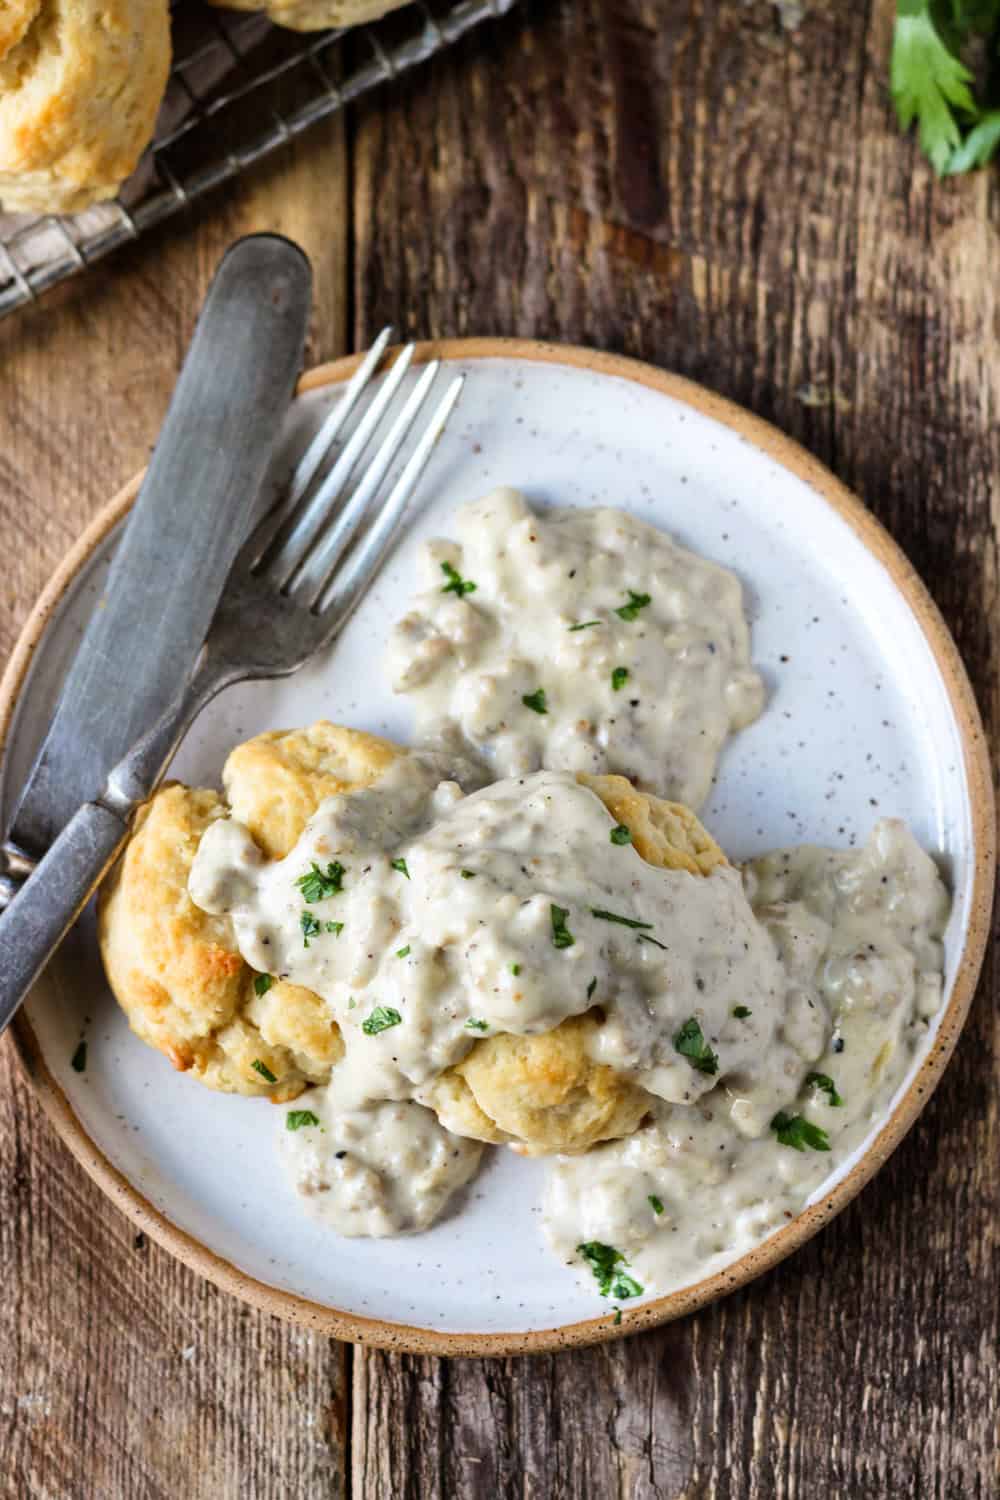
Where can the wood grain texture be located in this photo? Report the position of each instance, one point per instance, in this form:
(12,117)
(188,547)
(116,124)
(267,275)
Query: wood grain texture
(683,181)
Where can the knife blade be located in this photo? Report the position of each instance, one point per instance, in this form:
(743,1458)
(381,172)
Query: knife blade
(186,526)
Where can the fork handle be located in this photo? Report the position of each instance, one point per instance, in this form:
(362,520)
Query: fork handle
(48,904)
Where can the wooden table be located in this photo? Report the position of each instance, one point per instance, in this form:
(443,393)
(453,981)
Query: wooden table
(683,181)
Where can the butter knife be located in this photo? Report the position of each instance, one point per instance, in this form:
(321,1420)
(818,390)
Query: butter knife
(186,526)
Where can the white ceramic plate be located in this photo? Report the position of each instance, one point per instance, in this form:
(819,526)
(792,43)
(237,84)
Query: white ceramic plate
(869,714)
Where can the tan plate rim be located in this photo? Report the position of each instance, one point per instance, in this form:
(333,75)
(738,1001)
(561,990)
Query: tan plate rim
(374,1331)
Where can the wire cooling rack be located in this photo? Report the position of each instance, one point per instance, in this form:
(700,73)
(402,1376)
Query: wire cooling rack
(239,88)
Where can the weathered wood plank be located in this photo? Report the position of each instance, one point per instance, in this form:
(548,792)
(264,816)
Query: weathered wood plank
(122,1374)
(686,183)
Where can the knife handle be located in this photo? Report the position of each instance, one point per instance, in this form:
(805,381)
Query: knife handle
(47,905)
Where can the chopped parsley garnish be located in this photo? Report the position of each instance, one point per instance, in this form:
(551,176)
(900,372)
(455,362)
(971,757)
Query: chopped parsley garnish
(296,1118)
(318,885)
(584,625)
(262,983)
(561,935)
(381,1018)
(603,1260)
(400,865)
(645,937)
(456,583)
(310,927)
(263,1070)
(78,1062)
(617,1317)
(636,602)
(655,1203)
(825,1083)
(621,834)
(690,1043)
(741,1012)
(515,969)
(610,916)
(335,927)
(619,677)
(591,987)
(474,1025)
(468,874)
(535,701)
(793,1130)
(402,952)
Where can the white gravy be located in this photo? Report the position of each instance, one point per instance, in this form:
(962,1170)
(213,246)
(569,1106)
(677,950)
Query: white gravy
(584,640)
(511,910)
(381,1169)
(689,1192)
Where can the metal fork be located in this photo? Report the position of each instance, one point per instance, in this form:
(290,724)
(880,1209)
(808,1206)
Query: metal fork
(292,588)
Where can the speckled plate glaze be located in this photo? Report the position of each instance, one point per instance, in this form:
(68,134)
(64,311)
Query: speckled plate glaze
(870,713)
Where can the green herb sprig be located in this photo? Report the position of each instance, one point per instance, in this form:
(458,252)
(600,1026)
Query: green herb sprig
(604,1261)
(825,1085)
(319,885)
(561,935)
(381,1018)
(957,114)
(456,583)
(799,1133)
(690,1042)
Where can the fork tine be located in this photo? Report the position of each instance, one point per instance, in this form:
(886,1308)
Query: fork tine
(305,469)
(296,535)
(344,588)
(317,566)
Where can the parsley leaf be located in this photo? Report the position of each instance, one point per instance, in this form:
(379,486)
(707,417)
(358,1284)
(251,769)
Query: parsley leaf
(644,937)
(619,677)
(263,1070)
(296,1118)
(655,1203)
(402,952)
(78,1062)
(316,885)
(794,1130)
(310,927)
(690,1043)
(474,1025)
(515,969)
(603,1260)
(979,146)
(400,865)
(535,701)
(456,583)
(591,987)
(381,1018)
(262,983)
(468,874)
(561,935)
(334,927)
(610,916)
(584,625)
(741,1012)
(826,1085)
(636,602)
(928,80)
(621,834)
